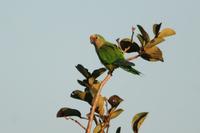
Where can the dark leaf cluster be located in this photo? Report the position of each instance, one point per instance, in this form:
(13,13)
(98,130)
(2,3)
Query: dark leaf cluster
(106,107)
(147,49)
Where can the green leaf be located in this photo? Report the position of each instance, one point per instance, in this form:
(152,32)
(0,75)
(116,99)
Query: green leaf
(115,100)
(127,46)
(65,112)
(83,96)
(84,71)
(137,121)
(115,113)
(156,29)
(96,73)
(118,130)
(144,33)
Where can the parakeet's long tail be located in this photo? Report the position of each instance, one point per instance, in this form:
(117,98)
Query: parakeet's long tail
(130,69)
(127,66)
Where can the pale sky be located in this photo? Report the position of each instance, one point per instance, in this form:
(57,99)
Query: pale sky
(41,41)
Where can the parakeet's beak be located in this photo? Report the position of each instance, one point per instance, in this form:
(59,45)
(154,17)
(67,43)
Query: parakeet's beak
(93,39)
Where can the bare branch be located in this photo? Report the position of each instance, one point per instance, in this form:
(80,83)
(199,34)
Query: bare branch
(77,122)
(133,57)
(126,49)
(107,128)
(107,106)
(95,103)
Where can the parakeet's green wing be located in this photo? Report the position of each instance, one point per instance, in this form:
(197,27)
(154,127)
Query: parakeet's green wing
(110,53)
(111,56)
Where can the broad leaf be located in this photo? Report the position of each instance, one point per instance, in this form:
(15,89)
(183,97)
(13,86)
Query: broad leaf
(86,90)
(152,54)
(83,83)
(166,32)
(144,33)
(154,42)
(95,87)
(65,112)
(83,71)
(141,39)
(137,121)
(115,113)
(118,130)
(100,105)
(91,81)
(98,128)
(78,94)
(96,73)
(156,29)
(127,46)
(83,96)
(115,100)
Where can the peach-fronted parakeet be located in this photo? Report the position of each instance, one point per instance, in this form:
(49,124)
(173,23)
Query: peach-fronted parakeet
(110,55)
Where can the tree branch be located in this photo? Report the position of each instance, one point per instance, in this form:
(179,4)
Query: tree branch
(95,103)
(92,111)
(77,122)
(107,128)
(133,57)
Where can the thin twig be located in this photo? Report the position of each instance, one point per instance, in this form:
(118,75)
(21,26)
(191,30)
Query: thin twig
(84,118)
(107,110)
(106,125)
(95,103)
(133,57)
(126,49)
(107,128)
(133,29)
(77,122)
(95,120)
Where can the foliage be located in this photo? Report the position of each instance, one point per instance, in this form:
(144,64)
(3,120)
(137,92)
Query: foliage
(107,109)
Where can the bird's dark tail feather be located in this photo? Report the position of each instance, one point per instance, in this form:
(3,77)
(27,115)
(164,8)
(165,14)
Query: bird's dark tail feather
(127,66)
(130,69)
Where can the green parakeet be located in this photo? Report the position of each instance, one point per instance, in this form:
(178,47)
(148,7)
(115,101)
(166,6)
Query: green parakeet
(110,55)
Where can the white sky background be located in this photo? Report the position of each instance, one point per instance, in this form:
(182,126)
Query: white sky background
(41,41)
